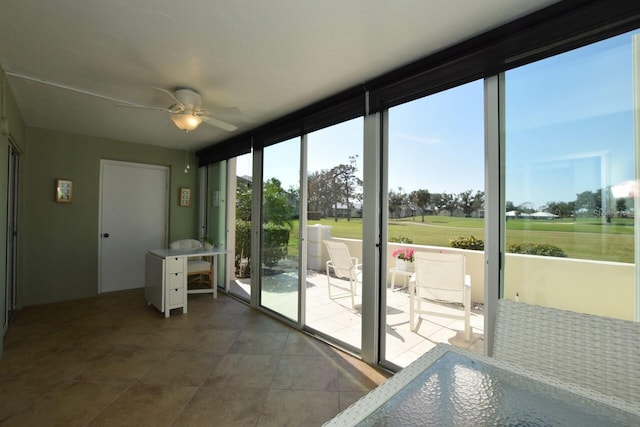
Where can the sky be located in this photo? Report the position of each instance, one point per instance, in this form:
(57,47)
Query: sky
(568,126)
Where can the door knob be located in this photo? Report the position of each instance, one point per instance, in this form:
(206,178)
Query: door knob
(105,235)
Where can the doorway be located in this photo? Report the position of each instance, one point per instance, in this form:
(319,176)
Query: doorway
(133,219)
(12,234)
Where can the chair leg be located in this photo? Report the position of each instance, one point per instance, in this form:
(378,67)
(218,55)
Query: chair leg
(467,314)
(353,292)
(213,284)
(412,322)
(329,284)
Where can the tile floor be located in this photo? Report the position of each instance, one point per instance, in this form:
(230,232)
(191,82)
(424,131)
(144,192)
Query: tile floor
(114,361)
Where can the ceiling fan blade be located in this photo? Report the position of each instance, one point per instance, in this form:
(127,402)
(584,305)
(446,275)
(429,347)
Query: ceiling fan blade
(225,111)
(178,102)
(218,123)
(165,110)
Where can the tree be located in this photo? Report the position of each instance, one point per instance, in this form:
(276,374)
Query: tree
(347,184)
(243,201)
(562,209)
(526,207)
(450,202)
(469,202)
(421,200)
(437,203)
(478,201)
(621,206)
(587,202)
(330,188)
(397,201)
(319,195)
(510,206)
(276,208)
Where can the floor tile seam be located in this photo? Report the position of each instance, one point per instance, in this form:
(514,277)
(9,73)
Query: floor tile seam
(151,365)
(275,373)
(29,340)
(304,389)
(39,397)
(319,357)
(31,364)
(52,392)
(232,353)
(185,405)
(25,340)
(107,405)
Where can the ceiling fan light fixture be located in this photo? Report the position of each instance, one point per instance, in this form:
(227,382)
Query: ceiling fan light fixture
(186,122)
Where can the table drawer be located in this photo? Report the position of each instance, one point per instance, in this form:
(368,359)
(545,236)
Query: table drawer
(175,280)
(175,265)
(176,296)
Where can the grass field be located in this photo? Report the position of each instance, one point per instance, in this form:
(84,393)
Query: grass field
(584,238)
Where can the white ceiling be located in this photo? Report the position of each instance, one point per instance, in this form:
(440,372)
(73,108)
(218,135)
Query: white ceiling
(266,57)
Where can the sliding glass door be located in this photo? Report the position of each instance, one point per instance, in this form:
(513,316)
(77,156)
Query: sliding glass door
(333,298)
(241,188)
(435,205)
(279,229)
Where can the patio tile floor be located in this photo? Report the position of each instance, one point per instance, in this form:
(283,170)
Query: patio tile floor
(336,318)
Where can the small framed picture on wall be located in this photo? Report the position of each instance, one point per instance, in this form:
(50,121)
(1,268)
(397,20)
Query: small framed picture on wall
(185,196)
(64,191)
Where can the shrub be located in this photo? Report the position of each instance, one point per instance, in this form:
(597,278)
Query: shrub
(314,216)
(536,249)
(243,246)
(274,245)
(401,239)
(275,241)
(467,243)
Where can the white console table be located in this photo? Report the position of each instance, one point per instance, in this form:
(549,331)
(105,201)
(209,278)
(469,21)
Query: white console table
(166,277)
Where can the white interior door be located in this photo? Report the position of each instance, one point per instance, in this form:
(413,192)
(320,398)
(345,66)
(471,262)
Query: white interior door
(133,219)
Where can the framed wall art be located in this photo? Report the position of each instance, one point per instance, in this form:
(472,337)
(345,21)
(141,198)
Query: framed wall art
(64,190)
(185,196)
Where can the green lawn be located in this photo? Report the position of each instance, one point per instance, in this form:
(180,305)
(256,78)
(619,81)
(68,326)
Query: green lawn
(583,238)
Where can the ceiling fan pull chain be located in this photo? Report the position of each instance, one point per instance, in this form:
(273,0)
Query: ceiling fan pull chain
(186,159)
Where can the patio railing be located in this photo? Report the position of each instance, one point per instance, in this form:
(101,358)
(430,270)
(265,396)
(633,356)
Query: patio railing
(592,287)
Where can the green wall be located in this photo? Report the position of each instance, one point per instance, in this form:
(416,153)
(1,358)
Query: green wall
(59,242)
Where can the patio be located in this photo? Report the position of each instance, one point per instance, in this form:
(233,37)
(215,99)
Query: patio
(336,318)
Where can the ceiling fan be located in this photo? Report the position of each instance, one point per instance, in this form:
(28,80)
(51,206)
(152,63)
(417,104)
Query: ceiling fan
(186,112)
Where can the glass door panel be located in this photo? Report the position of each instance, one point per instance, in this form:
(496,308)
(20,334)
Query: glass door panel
(279,278)
(436,205)
(334,200)
(216,215)
(241,183)
(570,180)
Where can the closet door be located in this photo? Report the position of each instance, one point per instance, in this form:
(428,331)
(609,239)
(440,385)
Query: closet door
(133,219)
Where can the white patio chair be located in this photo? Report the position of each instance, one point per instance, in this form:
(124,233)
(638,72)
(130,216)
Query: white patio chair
(343,266)
(440,277)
